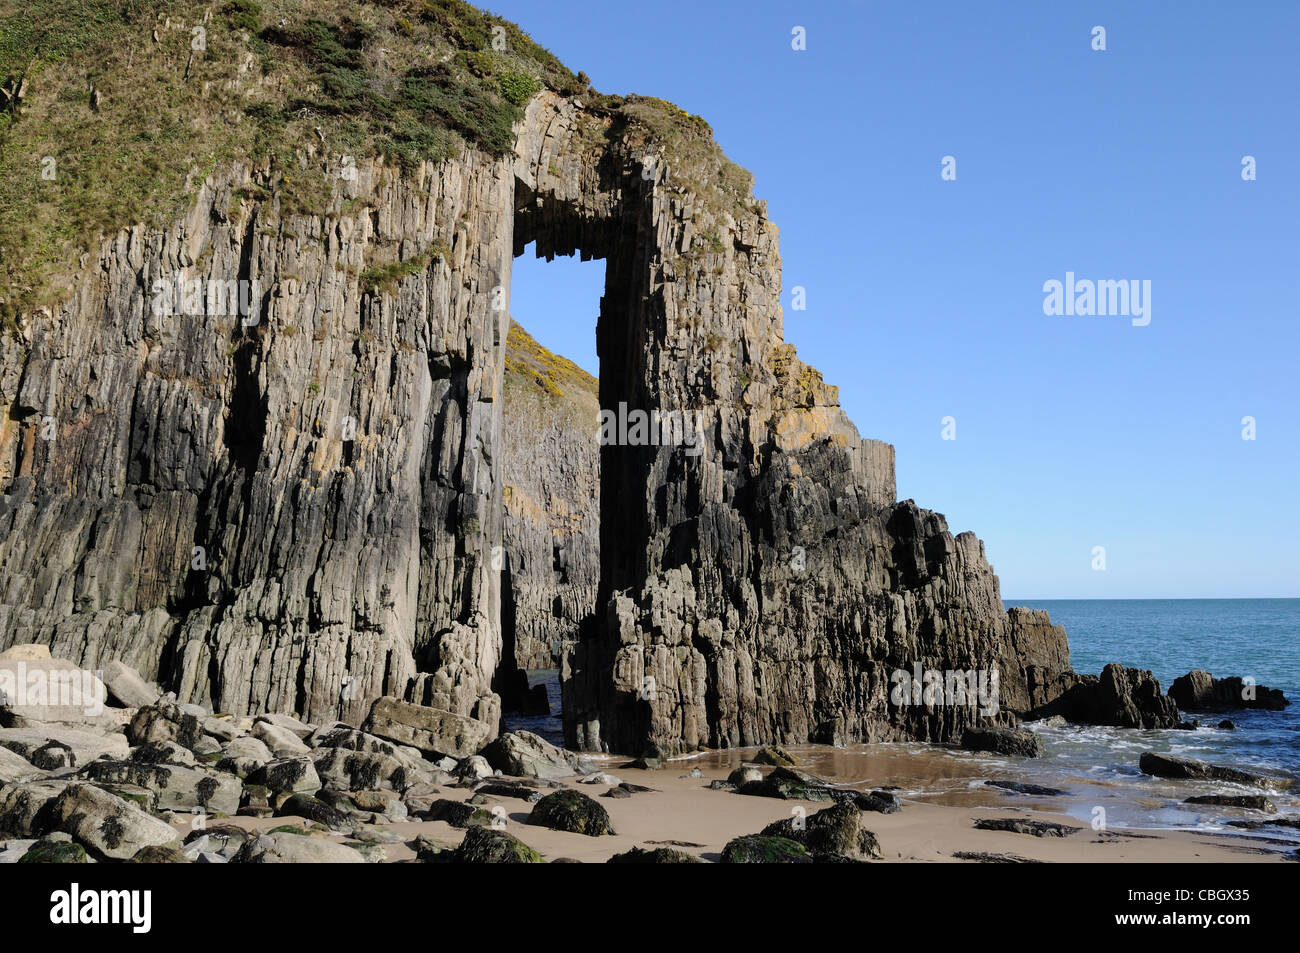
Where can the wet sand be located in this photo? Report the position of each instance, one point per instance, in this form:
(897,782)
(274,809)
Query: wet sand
(940,806)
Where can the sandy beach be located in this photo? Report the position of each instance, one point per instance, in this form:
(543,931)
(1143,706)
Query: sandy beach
(684,813)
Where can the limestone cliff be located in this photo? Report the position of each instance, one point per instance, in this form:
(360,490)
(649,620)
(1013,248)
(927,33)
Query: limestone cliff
(551,469)
(293,502)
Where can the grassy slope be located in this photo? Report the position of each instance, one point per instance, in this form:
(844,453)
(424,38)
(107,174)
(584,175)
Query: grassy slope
(529,365)
(113,97)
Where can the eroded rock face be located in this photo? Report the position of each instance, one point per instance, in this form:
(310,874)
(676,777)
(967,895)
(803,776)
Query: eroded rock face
(1121,697)
(551,533)
(1198,690)
(296,509)
(291,508)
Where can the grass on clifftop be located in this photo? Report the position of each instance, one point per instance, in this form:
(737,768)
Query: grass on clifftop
(114,111)
(527,362)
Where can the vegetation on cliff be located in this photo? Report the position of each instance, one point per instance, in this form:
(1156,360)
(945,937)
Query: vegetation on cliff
(114,111)
(528,363)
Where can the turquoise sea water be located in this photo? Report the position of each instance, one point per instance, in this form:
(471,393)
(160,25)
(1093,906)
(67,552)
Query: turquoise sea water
(1259,638)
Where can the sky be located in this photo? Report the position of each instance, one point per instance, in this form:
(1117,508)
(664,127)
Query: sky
(925,296)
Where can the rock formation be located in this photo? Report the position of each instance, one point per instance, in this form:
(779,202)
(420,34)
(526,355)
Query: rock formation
(295,505)
(551,533)
(1198,690)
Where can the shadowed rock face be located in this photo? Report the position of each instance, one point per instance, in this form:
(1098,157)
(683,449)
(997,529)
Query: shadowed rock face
(300,514)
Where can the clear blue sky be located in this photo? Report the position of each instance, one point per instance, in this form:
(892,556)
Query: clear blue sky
(925,296)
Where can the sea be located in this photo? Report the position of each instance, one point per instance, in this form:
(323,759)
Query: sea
(1095,769)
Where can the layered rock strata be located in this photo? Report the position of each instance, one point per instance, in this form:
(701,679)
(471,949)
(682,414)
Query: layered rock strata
(551,530)
(297,508)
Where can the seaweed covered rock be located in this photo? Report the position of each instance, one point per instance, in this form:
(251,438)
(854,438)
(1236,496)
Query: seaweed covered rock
(759,849)
(832,832)
(571,811)
(775,756)
(314,809)
(458,814)
(159,855)
(54,852)
(287,776)
(487,845)
(660,855)
(789,785)
(106,825)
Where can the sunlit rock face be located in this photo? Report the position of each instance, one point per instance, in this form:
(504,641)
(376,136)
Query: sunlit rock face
(301,508)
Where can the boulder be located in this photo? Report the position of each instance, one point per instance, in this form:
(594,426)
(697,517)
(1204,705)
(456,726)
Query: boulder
(571,811)
(433,731)
(26,808)
(28,652)
(835,831)
(1121,697)
(248,748)
(1198,690)
(52,691)
(757,849)
(314,809)
(458,814)
(53,756)
(344,770)
(1254,802)
(1024,825)
(224,729)
(109,827)
(285,722)
(160,855)
(473,769)
(127,687)
(282,742)
(877,802)
(523,754)
(14,767)
(165,721)
(660,855)
(284,847)
(1167,766)
(744,775)
(287,776)
(85,745)
(54,852)
(774,756)
(1020,742)
(1023,787)
(430,850)
(163,752)
(497,787)
(175,788)
(223,840)
(789,785)
(488,845)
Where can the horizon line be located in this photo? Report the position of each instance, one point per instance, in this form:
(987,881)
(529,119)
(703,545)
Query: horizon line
(1150,598)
